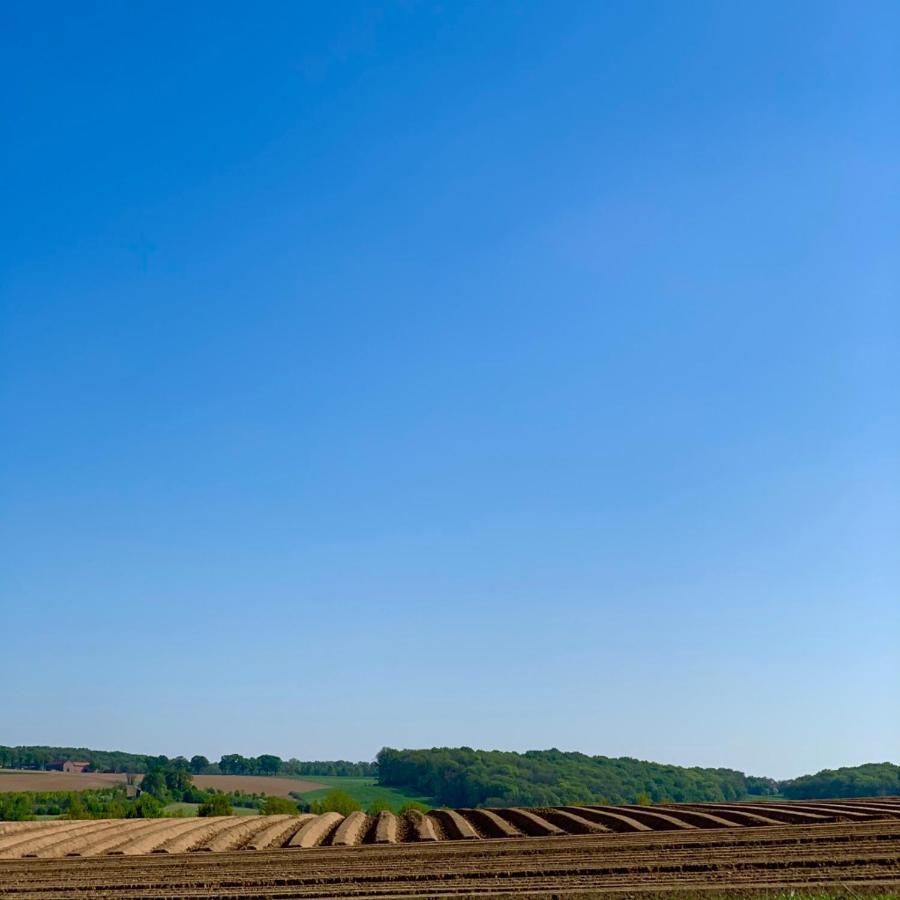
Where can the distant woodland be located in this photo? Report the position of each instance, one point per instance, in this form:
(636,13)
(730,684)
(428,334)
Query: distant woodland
(230,764)
(461,776)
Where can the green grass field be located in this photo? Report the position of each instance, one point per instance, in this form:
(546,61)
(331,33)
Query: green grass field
(363,790)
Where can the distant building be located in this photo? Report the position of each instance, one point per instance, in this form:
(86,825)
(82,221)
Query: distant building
(77,766)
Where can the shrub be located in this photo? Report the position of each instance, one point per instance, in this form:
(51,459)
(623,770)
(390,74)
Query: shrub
(274,806)
(216,805)
(145,807)
(335,801)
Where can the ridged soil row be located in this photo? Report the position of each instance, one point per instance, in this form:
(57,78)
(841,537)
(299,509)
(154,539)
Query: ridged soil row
(387,829)
(530,823)
(234,838)
(873,810)
(277,834)
(489,824)
(453,825)
(314,832)
(739,816)
(92,844)
(60,846)
(351,831)
(658,821)
(194,837)
(765,859)
(149,843)
(422,827)
(17,843)
(827,810)
(614,821)
(789,816)
(11,827)
(571,822)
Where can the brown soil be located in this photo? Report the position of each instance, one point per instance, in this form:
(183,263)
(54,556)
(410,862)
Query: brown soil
(328,855)
(257,784)
(856,857)
(12,780)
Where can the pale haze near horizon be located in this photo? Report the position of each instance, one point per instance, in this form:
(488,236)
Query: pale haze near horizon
(503,375)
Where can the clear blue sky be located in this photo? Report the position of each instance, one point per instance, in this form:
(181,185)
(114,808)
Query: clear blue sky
(504,374)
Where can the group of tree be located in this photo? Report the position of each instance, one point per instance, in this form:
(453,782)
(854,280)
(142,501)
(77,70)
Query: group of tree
(869,780)
(103,803)
(267,764)
(464,777)
(139,763)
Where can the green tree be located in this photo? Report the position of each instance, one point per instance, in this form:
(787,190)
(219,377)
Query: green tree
(16,807)
(335,801)
(145,807)
(154,784)
(268,764)
(234,764)
(216,805)
(274,806)
(75,809)
(199,764)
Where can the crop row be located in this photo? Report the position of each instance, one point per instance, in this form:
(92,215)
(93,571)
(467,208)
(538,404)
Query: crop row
(857,857)
(135,837)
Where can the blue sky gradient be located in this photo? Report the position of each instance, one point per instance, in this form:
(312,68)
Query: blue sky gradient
(504,374)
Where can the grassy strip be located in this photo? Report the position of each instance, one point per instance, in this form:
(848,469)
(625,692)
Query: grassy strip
(365,791)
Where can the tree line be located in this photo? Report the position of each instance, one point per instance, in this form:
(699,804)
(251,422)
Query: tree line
(465,777)
(868,780)
(139,763)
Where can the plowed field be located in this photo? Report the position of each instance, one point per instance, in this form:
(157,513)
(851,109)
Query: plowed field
(31,780)
(257,784)
(569,851)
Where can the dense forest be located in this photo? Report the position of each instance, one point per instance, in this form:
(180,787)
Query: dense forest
(869,780)
(230,764)
(466,777)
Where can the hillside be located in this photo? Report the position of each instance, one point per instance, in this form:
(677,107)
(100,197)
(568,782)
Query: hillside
(465,777)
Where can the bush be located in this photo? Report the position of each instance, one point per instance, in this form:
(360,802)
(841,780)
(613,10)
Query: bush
(275,806)
(335,801)
(217,805)
(144,807)
(76,809)
(16,807)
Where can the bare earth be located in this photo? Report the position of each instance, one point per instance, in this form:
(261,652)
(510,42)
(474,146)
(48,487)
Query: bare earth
(851,846)
(256,784)
(26,780)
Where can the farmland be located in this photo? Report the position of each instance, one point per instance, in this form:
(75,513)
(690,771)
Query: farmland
(23,780)
(574,851)
(15,780)
(365,791)
(258,784)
